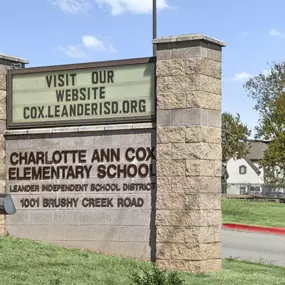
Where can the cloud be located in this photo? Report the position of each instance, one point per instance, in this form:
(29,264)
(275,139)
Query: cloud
(275,33)
(131,6)
(91,42)
(73,6)
(73,51)
(117,6)
(243,76)
(88,45)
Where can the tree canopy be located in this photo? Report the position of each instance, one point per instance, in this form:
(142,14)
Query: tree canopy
(234,137)
(268,90)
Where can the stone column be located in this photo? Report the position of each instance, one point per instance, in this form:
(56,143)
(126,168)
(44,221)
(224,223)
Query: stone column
(6,62)
(188,216)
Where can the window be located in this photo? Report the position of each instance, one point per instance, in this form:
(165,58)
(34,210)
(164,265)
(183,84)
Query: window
(243,190)
(242,169)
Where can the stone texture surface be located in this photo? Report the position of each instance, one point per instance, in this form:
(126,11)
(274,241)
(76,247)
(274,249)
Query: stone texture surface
(2,81)
(3,71)
(126,231)
(2,225)
(188,216)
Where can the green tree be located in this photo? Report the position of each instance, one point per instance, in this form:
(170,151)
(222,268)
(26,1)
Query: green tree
(268,90)
(234,137)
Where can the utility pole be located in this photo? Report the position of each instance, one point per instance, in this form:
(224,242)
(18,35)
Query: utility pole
(154,24)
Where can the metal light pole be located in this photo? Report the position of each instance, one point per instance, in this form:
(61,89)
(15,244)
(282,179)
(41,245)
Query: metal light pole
(154,24)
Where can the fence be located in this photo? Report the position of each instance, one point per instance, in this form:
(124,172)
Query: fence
(265,190)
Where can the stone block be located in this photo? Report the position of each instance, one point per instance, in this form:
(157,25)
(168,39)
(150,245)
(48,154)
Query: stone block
(203,66)
(3,95)
(186,52)
(181,218)
(164,151)
(2,111)
(170,134)
(187,251)
(171,234)
(184,151)
(213,217)
(199,82)
(54,233)
(207,201)
(142,251)
(207,151)
(42,217)
(128,217)
(163,117)
(105,233)
(30,232)
(196,184)
(163,54)
(2,172)
(205,100)
(200,168)
(21,217)
(66,217)
(178,265)
(168,101)
(2,142)
(218,168)
(187,117)
(163,250)
(171,201)
(163,184)
(200,235)
(2,126)
(79,233)
(87,217)
(2,231)
(3,187)
(2,81)
(210,250)
(134,233)
(170,168)
(170,67)
(212,51)
(214,118)
(178,84)
(203,134)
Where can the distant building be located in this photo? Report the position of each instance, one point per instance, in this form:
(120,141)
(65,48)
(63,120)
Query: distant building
(246,176)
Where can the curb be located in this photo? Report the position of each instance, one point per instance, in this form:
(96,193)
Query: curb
(267,230)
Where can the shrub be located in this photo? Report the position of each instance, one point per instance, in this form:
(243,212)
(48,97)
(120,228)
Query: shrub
(156,277)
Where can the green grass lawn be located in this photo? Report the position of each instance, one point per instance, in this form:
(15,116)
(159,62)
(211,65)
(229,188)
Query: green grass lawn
(253,213)
(25,262)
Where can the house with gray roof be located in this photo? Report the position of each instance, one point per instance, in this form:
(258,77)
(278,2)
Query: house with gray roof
(245,175)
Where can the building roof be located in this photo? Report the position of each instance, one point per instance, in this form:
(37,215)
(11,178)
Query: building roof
(13,58)
(256,150)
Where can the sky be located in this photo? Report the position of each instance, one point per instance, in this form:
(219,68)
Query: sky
(53,32)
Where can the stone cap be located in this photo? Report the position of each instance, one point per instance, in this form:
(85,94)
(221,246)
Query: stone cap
(13,58)
(186,38)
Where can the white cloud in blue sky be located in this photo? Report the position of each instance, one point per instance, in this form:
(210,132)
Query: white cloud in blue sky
(88,45)
(243,76)
(275,33)
(117,6)
(73,6)
(88,30)
(137,6)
